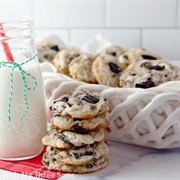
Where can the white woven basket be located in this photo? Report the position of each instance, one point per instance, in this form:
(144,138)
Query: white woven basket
(149,118)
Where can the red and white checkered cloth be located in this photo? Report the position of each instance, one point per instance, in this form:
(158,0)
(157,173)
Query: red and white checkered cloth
(31,167)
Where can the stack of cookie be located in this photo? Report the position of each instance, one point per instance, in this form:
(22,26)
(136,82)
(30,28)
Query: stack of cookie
(75,141)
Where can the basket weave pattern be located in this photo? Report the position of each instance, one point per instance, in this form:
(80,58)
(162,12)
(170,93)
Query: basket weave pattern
(149,118)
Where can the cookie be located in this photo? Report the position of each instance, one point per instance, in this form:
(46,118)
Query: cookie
(52,163)
(79,125)
(63,58)
(80,155)
(113,50)
(81,68)
(67,139)
(137,54)
(147,74)
(46,50)
(107,70)
(81,104)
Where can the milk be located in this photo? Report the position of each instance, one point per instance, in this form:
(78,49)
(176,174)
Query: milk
(21,139)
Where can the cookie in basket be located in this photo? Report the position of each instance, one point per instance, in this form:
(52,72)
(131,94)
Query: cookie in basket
(113,50)
(63,58)
(52,163)
(107,70)
(81,104)
(46,50)
(78,156)
(79,125)
(137,54)
(81,68)
(147,73)
(67,139)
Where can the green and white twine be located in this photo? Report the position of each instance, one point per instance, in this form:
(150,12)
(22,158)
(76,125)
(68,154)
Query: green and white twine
(24,74)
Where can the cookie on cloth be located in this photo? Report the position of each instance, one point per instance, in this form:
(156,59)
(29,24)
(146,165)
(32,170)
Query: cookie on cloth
(79,125)
(81,104)
(46,50)
(52,163)
(79,155)
(137,54)
(81,68)
(67,139)
(147,74)
(107,70)
(113,50)
(63,59)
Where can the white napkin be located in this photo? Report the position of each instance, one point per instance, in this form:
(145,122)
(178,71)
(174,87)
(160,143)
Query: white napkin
(95,45)
(47,67)
(52,38)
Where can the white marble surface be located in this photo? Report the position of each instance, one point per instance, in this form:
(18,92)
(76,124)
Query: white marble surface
(127,162)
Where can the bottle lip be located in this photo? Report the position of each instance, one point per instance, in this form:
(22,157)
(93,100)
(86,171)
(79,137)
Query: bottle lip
(15,19)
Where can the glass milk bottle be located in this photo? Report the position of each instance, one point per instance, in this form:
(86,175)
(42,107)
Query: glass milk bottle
(23,120)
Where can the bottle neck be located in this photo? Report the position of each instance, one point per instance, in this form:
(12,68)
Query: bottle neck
(16,35)
(12,29)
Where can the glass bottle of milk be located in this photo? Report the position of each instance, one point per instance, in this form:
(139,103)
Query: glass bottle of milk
(23,120)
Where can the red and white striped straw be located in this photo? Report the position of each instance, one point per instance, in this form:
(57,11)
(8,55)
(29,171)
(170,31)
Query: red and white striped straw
(6,47)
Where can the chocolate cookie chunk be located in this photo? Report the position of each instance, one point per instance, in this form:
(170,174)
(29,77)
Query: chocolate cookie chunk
(46,50)
(137,54)
(81,104)
(67,139)
(80,155)
(113,50)
(79,125)
(81,68)
(52,163)
(63,59)
(148,73)
(107,70)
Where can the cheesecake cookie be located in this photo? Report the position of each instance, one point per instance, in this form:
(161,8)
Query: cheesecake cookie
(52,163)
(80,155)
(79,125)
(46,50)
(147,73)
(113,50)
(67,139)
(81,104)
(81,68)
(63,58)
(107,70)
(137,54)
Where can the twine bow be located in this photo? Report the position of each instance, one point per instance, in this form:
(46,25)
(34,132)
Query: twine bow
(24,75)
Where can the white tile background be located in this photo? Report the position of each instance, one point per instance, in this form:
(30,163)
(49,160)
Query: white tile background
(152,24)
